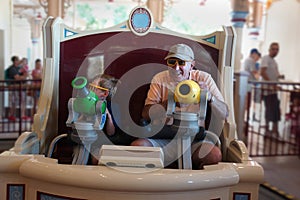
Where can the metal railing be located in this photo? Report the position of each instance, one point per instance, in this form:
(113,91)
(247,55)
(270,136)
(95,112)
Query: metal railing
(261,140)
(18,103)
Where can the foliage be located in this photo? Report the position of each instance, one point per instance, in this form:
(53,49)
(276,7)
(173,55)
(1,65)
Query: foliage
(86,13)
(115,15)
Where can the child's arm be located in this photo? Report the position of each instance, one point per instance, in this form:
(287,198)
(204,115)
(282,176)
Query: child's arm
(109,127)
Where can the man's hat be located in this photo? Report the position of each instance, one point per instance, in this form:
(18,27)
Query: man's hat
(181,51)
(255,51)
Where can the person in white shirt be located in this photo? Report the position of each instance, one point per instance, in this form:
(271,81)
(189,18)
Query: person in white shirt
(270,72)
(250,66)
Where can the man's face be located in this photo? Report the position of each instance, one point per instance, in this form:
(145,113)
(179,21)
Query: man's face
(274,49)
(16,62)
(179,70)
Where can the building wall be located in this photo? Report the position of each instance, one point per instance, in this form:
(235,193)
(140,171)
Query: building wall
(280,24)
(21,44)
(15,37)
(283,26)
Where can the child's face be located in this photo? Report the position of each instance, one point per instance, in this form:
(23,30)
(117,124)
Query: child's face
(101,93)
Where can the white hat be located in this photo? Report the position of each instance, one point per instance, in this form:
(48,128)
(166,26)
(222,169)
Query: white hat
(181,51)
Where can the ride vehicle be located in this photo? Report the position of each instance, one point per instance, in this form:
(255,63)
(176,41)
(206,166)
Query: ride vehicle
(133,52)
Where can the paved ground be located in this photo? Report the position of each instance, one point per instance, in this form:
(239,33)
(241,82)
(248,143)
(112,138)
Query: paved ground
(6,144)
(282,172)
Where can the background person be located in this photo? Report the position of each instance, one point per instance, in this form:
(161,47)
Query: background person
(180,61)
(36,75)
(38,69)
(24,65)
(14,72)
(251,66)
(270,72)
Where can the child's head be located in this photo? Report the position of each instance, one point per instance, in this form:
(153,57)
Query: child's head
(38,64)
(104,86)
(24,61)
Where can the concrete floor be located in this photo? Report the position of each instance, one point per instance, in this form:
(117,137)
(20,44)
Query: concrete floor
(282,174)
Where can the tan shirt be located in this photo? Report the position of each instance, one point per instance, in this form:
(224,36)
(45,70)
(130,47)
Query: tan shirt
(161,82)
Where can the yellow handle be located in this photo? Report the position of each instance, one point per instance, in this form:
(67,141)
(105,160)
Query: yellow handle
(187,92)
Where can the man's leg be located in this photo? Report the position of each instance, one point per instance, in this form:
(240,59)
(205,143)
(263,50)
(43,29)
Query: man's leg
(206,154)
(12,106)
(266,101)
(275,129)
(276,115)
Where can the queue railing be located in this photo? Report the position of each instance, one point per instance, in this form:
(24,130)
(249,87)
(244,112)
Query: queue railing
(18,103)
(261,140)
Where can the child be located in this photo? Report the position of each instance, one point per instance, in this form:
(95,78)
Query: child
(24,66)
(104,87)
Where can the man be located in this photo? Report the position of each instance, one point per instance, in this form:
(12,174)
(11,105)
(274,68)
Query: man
(180,61)
(269,72)
(14,72)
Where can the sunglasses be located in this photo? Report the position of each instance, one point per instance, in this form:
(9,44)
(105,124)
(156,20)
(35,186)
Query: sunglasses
(98,87)
(172,62)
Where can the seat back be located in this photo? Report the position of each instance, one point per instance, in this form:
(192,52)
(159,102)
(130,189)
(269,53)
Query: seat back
(131,58)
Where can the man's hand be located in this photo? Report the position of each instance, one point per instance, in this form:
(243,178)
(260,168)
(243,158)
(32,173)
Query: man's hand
(203,86)
(155,111)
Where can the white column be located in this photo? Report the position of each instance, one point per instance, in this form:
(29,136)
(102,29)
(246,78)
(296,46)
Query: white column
(36,29)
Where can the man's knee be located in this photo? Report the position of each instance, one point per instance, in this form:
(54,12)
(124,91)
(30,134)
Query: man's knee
(206,154)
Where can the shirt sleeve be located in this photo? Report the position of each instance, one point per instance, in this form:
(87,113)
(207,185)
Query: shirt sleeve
(154,94)
(200,76)
(264,62)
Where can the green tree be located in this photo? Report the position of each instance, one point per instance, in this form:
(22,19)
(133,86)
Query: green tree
(86,13)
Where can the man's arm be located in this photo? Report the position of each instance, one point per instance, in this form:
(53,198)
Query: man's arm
(264,74)
(21,77)
(156,111)
(215,97)
(145,112)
